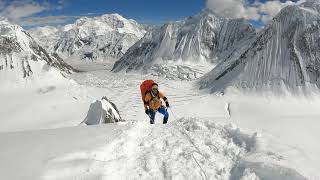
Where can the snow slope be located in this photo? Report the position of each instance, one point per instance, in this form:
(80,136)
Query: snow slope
(208,137)
(25,155)
(22,59)
(275,140)
(33,84)
(46,36)
(105,37)
(184,149)
(205,37)
(284,55)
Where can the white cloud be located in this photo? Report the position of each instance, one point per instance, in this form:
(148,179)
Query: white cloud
(46,20)
(233,9)
(23,12)
(241,9)
(19,9)
(271,8)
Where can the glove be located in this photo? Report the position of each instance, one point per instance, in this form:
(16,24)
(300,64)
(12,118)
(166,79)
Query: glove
(167,104)
(147,111)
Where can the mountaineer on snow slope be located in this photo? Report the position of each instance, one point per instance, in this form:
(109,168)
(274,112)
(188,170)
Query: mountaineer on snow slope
(151,97)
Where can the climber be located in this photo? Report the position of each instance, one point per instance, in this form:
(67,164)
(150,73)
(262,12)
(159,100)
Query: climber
(152,101)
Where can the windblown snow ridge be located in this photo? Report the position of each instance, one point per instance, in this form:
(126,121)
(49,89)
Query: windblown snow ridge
(185,149)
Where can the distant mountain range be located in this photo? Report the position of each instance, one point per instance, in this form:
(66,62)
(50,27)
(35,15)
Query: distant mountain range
(101,38)
(284,54)
(205,37)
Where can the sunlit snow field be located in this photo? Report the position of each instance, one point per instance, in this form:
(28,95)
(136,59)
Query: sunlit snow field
(230,136)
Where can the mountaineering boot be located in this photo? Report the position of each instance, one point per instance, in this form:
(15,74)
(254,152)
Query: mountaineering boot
(165,120)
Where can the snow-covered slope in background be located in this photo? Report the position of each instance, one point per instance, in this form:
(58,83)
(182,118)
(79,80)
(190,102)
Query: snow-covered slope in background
(105,37)
(204,38)
(46,36)
(284,55)
(22,59)
(34,89)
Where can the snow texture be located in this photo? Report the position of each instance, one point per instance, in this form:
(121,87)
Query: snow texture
(101,38)
(201,140)
(205,37)
(228,136)
(22,58)
(283,56)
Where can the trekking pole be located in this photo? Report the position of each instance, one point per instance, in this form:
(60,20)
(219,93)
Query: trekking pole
(173,114)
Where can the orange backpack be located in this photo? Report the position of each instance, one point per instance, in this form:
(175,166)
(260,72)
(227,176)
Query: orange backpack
(145,87)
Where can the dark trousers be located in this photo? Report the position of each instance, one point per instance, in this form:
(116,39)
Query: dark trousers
(163,111)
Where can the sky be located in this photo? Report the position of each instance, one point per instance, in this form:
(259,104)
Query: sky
(33,13)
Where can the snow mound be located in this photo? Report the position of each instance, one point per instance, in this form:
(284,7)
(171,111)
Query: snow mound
(268,159)
(184,149)
(102,111)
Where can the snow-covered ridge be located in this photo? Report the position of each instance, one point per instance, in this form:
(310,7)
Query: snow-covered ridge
(170,152)
(205,37)
(105,37)
(21,57)
(284,55)
(46,36)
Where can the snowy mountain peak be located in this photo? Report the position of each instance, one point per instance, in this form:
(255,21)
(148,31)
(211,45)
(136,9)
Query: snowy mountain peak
(312,5)
(204,38)
(113,20)
(207,13)
(113,17)
(104,38)
(284,55)
(21,57)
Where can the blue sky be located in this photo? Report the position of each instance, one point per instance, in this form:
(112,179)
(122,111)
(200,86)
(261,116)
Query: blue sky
(31,13)
(149,11)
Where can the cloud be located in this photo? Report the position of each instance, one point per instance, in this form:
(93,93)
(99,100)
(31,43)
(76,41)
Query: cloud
(20,9)
(46,20)
(23,12)
(233,9)
(257,10)
(271,8)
